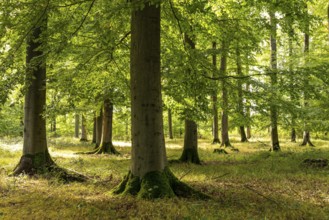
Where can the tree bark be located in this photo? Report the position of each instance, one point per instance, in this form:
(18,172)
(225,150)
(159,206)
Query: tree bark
(93,141)
(99,126)
(240,95)
(35,150)
(274,79)
(248,113)
(306,133)
(76,125)
(225,127)
(149,176)
(106,146)
(171,136)
(83,129)
(190,149)
(215,102)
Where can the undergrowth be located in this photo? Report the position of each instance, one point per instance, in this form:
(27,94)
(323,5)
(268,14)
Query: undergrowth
(250,184)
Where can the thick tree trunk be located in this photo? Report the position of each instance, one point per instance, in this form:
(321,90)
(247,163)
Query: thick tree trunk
(35,151)
(225,128)
(190,149)
(274,79)
(83,129)
(149,176)
(76,125)
(215,102)
(171,136)
(106,146)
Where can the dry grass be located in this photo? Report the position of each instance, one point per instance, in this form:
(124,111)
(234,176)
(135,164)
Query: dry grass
(251,184)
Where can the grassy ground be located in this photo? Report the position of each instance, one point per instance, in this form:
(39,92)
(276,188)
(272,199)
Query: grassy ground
(251,184)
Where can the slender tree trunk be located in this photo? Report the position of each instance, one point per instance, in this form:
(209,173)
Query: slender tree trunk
(170,124)
(306,133)
(215,102)
(83,129)
(93,141)
(149,176)
(274,79)
(35,151)
(292,96)
(240,94)
(106,145)
(99,126)
(190,149)
(225,128)
(77,125)
(248,113)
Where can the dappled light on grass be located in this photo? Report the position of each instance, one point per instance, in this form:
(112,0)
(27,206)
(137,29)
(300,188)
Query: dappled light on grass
(253,183)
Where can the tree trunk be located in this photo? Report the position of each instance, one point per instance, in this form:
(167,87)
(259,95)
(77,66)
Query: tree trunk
(248,113)
(83,129)
(274,79)
(93,141)
(307,139)
(99,126)
(240,94)
(77,126)
(292,95)
(225,128)
(106,146)
(170,124)
(35,151)
(149,176)
(190,149)
(215,102)
(306,133)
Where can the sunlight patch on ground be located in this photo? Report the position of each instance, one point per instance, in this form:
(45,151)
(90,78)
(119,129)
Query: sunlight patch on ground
(65,154)
(12,147)
(121,144)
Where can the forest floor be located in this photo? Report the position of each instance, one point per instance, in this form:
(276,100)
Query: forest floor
(250,184)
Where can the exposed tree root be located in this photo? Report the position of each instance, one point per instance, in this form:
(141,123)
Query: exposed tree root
(106,148)
(220,151)
(157,185)
(190,156)
(41,164)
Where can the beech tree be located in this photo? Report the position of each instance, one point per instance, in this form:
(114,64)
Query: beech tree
(35,150)
(149,176)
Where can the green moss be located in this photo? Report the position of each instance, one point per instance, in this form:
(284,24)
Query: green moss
(155,185)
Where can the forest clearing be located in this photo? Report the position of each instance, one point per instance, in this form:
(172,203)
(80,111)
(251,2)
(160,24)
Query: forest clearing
(250,184)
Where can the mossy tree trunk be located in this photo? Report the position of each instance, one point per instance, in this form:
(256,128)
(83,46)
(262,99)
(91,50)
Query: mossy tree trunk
(307,139)
(190,149)
(106,146)
(83,129)
(149,176)
(76,125)
(223,65)
(215,101)
(274,81)
(35,151)
(171,136)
